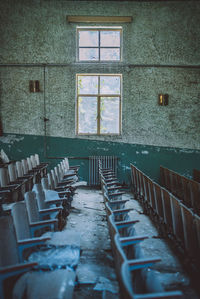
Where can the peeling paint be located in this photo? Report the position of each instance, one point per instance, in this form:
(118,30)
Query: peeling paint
(10,139)
(103,149)
(144,152)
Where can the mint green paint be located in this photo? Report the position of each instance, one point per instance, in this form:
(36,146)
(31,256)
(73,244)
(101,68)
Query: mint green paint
(147,158)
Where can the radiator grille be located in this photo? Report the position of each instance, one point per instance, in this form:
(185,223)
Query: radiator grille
(107,162)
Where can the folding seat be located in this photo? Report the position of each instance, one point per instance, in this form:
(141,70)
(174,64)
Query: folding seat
(167,210)
(48,184)
(177,221)
(73,167)
(180,190)
(39,165)
(195,194)
(14,179)
(187,196)
(27,177)
(146,201)
(22,229)
(152,198)
(11,192)
(158,199)
(189,231)
(134,180)
(143,282)
(168,185)
(49,201)
(32,284)
(36,225)
(60,180)
(173,183)
(128,287)
(197,233)
(118,210)
(124,228)
(10,265)
(63,176)
(27,169)
(47,206)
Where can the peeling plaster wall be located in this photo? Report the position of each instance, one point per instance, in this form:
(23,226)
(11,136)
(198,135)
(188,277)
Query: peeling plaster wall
(165,32)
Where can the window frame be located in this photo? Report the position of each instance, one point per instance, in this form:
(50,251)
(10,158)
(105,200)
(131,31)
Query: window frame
(99,29)
(99,96)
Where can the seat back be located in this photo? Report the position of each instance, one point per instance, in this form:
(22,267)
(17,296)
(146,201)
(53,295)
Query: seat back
(32,206)
(37,159)
(45,183)
(54,177)
(20,219)
(4,178)
(51,184)
(12,172)
(30,166)
(19,169)
(8,242)
(25,166)
(40,196)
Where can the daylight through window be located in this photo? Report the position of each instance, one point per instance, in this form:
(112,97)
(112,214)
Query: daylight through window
(102,44)
(99,104)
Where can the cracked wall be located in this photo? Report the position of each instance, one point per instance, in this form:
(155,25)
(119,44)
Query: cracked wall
(161,33)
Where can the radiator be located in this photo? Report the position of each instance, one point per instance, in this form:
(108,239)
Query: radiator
(107,162)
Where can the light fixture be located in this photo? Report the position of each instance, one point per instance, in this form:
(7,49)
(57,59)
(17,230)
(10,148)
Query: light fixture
(34,86)
(163,99)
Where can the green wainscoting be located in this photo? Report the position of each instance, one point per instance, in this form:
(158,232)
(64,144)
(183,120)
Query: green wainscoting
(145,157)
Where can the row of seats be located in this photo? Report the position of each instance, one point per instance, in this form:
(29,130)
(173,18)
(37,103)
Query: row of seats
(133,269)
(29,241)
(171,214)
(18,177)
(182,187)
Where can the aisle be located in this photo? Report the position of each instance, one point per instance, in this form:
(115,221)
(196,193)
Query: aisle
(96,273)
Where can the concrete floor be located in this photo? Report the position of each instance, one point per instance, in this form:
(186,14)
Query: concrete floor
(96,272)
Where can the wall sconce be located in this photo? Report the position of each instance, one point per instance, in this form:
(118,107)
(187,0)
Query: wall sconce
(163,99)
(34,86)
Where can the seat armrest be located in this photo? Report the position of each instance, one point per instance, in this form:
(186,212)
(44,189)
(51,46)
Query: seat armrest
(43,222)
(142,263)
(33,240)
(50,210)
(123,224)
(17,267)
(126,241)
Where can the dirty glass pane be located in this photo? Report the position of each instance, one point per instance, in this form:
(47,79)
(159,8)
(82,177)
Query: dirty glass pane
(88,38)
(110,84)
(87,84)
(88,54)
(87,115)
(109,115)
(109,54)
(110,38)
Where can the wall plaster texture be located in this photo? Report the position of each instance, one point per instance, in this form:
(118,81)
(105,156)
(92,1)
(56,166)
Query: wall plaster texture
(164,33)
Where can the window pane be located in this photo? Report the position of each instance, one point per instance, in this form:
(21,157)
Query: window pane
(110,84)
(87,84)
(87,115)
(110,38)
(109,115)
(110,54)
(88,54)
(88,39)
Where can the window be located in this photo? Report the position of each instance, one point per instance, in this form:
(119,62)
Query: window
(99,44)
(99,104)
